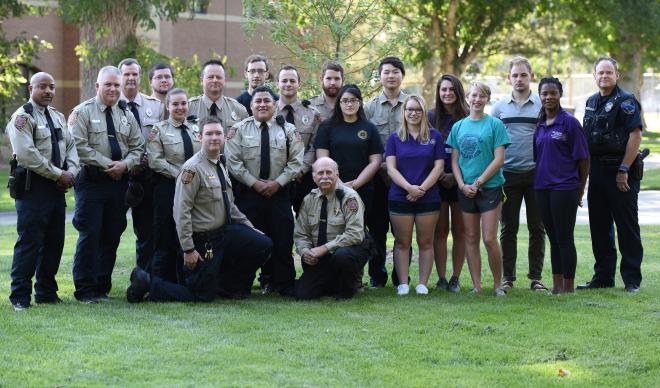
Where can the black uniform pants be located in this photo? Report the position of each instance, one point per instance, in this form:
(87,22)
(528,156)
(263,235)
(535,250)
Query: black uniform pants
(519,186)
(38,249)
(379,223)
(558,210)
(238,251)
(273,216)
(166,263)
(333,275)
(301,189)
(608,206)
(143,218)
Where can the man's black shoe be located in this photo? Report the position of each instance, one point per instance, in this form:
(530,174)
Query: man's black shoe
(20,306)
(88,300)
(633,289)
(593,285)
(57,300)
(140,282)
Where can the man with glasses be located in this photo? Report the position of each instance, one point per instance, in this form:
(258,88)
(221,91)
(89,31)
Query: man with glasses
(256,74)
(161,79)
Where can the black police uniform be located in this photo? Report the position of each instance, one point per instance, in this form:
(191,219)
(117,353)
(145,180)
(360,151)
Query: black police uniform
(608,122)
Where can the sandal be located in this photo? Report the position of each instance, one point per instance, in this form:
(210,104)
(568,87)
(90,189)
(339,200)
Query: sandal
(538,286)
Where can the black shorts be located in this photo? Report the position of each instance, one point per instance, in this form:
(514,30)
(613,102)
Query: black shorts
(448,195)
(485,200)
(399,208)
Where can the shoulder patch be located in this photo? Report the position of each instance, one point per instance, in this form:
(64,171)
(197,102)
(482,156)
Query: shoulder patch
(73,117)
(154,132)
(297,135)
(352,205)
(628,106)
(187,176)
(19,122)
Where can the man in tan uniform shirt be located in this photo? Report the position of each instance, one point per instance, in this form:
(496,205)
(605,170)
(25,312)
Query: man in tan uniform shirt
(306,119)
(109,144)
(222,250)
(44,147)
(265,155)
(213,102)
(329,234)
(332,79)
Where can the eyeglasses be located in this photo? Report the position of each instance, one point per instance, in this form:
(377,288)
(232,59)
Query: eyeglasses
(414,111)
(257,71)
(349,101)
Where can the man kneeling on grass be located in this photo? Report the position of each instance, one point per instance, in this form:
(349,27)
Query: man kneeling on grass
(221,249)
(329,236)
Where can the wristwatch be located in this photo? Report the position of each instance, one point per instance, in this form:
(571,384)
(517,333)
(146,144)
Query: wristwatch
(624,168)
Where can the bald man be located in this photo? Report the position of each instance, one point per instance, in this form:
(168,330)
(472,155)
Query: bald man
(43,168)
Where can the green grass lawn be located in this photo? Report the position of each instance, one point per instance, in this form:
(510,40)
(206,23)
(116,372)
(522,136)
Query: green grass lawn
(604,338)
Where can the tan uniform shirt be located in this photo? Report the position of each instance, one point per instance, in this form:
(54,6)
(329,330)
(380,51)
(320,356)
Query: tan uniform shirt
(322,106)
(150,110)
(198,202)
(165,147)
(243,152)
(387,118)
(230,111)
(88,127)
(306,120)
(35,153)
(345,225)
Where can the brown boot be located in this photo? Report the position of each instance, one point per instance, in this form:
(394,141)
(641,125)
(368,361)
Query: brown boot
(557,284)
(569,286)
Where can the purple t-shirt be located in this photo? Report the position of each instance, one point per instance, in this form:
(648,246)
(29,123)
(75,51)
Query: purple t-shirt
(415,161)
(557,150)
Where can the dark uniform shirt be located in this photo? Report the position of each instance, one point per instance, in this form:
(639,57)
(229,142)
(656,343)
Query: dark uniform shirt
(350,145)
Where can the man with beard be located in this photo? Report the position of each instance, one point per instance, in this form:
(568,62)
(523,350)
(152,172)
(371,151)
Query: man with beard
(161,78)
(332,79)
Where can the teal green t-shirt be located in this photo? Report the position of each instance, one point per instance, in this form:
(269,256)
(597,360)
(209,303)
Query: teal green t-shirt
(476,141)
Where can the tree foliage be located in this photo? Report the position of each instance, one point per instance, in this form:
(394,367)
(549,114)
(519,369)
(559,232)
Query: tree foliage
(314,31)
(16,52)
(109,27)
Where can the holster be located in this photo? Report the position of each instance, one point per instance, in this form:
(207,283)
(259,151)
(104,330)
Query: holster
(637,168)
(19,179)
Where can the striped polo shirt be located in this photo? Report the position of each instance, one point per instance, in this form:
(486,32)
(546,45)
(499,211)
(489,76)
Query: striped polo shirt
(520,124)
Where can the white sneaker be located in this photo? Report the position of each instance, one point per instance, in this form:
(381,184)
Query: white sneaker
(421,289)
(403,289)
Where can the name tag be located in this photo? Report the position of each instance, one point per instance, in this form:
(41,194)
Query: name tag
(591,109)
(248,136)
(41,126)
(96,121)
(170,134)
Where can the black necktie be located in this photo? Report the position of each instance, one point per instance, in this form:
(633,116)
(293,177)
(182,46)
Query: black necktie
(264,171)
(115,150)
(289,114)
(133,107)
(214,110)
(54,140)
(323,223)
(225,197)
(187,143)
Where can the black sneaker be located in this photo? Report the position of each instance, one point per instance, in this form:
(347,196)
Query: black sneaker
(57,300)
(633,289)
(454,285)
(593,284)
(20,306)
(140,284)
(442,284)
(88,300)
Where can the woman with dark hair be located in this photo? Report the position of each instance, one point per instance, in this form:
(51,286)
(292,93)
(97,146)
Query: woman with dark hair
(353,142)
(450,106)
(561,153)
(170,144)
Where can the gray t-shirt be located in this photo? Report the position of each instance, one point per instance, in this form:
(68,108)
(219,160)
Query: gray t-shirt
(520,124)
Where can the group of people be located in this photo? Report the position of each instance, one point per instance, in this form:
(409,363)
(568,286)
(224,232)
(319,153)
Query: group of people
(222,188)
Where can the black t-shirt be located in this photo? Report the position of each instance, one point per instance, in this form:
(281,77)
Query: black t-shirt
(350,145)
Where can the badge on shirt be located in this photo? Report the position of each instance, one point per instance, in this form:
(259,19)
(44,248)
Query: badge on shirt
(234,116)
(608,106)
(352,205)
(305,120)
(73,117)
(124,120)
(149,112)
(20,122)
(628,107)
(280,135)
(362,134)
(187,176)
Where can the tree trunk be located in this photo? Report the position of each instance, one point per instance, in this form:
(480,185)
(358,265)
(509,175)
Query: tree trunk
(632,70)
(120,26)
